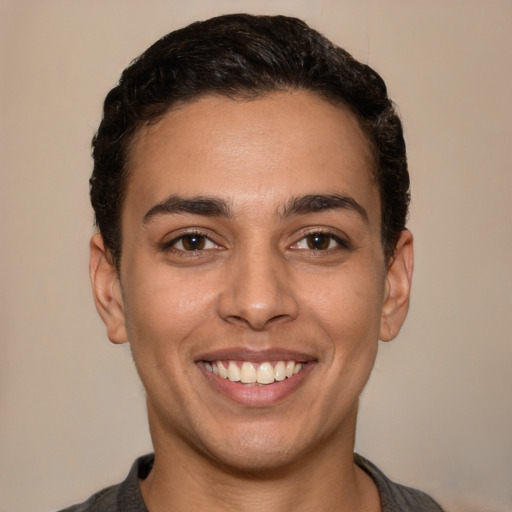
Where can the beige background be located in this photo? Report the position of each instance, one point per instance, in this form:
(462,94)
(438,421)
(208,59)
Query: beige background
(438,411)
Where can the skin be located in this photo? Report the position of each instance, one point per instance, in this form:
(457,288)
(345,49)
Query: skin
(257,283)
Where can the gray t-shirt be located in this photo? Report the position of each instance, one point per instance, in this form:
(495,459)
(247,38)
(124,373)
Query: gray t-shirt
(126,496)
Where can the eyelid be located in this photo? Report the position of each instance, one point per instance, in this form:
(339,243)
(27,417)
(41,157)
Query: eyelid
(338,236)
(168,245)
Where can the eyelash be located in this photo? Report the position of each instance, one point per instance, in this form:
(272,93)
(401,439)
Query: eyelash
(204,238)
(341,243)
(325,236)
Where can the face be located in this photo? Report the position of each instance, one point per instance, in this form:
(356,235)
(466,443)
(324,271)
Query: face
(253,287)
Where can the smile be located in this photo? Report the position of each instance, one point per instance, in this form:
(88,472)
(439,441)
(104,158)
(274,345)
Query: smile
(254,373)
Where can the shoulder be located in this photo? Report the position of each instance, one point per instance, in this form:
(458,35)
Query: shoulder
(104,501)
(395,497)
(123,497)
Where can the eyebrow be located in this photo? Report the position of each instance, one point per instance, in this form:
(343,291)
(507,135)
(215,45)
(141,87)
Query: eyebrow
(201,205)
(321,202)
(215,207)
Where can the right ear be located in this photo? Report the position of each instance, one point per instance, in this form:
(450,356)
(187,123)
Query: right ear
(106,289)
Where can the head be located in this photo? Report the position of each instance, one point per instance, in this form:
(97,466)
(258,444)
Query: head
(243,56)
(250,188)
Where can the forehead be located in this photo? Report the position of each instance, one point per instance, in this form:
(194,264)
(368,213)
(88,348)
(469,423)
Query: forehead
(247,151)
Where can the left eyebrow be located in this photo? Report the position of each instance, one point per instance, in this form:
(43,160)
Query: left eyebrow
(201,205)
(321,202)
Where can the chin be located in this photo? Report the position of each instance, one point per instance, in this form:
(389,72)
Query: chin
(265,450)
(255,461)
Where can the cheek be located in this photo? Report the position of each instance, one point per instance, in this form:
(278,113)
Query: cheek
(348,304)
(163,308)
(163,313)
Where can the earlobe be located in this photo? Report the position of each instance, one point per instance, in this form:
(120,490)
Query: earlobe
(397,287)
(106,290)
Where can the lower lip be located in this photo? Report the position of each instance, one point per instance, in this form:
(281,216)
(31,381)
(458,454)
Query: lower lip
(257,395)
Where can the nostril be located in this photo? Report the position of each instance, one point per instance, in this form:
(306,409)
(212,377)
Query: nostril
(257,324)
(237,320)
(278,319)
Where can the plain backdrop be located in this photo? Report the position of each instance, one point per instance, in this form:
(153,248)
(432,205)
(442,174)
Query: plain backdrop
(437,413)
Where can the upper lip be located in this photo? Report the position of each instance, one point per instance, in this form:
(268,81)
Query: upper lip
(255,356)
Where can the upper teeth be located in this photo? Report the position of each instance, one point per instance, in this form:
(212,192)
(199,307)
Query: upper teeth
(248,373)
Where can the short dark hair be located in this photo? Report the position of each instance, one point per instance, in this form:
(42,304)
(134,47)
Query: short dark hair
(244,56)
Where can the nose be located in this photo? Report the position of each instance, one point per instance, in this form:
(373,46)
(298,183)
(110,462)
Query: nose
(258,291)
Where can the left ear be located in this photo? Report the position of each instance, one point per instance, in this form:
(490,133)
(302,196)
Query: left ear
(397,287)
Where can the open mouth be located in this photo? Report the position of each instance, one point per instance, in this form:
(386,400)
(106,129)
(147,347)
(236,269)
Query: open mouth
(246,372)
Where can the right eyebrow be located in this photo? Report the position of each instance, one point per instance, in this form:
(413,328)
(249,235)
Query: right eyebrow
(199,205)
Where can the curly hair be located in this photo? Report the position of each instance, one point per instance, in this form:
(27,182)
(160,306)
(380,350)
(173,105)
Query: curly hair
(244,56)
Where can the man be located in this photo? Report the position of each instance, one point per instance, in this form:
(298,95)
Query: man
(250,188)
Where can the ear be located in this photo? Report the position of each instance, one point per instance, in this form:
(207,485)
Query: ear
(397,287)
(106,290)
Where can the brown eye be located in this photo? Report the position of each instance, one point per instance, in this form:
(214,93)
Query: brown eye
(318,241)
(193,242)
